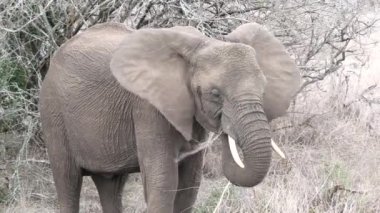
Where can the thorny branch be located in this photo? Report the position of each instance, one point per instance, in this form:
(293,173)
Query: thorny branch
(363,97)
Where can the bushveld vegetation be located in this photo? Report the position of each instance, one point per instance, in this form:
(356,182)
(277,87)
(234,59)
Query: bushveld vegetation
(331,134)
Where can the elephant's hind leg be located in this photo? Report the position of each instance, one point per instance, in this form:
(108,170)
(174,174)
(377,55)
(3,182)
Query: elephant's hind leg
(110,191)
(67,175)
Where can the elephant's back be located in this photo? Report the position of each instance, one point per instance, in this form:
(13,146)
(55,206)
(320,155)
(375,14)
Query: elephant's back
(89,52)
(99,35)
(85,58)
(79,76)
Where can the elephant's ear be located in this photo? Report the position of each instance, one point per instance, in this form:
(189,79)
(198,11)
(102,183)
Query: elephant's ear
(283,78)
(153,63)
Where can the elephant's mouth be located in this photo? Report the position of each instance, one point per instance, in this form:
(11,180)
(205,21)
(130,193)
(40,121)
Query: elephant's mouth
(235,153)
(212,125)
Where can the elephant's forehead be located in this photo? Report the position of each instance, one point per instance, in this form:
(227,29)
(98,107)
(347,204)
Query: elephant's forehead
(228,51)
(226,57)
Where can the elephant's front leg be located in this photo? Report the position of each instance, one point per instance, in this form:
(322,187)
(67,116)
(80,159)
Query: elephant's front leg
(190,175)
(157,148)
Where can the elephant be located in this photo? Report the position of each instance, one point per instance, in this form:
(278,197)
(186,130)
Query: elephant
(117,101)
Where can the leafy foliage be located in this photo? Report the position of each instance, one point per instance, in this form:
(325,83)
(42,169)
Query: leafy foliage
(12,75)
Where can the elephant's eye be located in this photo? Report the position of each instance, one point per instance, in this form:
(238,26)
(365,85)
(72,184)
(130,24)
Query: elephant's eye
(215,92)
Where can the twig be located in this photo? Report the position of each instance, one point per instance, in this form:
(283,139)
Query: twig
(146,11)
(306,122)
(210,140)
(331,192)
(30,21)
(364,98)
(221,196)
(38,161)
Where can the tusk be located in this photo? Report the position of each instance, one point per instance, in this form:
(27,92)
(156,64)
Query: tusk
(234,152)
(277,149)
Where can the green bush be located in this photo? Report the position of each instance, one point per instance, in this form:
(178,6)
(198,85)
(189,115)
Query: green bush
(13,81)
(12,76)
(3,195)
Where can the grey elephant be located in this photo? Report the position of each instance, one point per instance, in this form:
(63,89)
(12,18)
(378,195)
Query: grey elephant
(117,101)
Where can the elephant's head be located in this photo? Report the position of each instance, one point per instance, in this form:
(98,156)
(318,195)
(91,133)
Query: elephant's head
(235,86)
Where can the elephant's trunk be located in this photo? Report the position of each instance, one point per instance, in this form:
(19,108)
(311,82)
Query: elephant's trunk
(249,127)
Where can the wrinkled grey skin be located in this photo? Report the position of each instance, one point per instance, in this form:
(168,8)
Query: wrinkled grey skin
(116,102)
